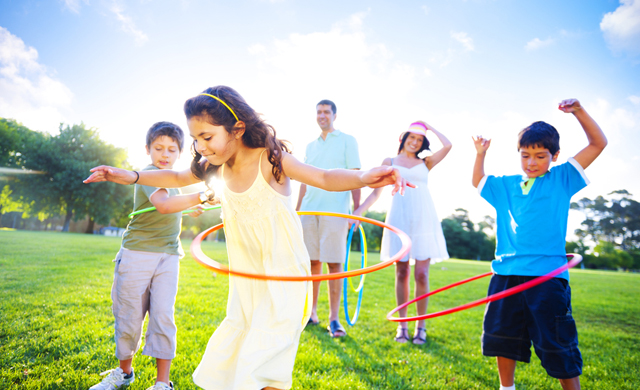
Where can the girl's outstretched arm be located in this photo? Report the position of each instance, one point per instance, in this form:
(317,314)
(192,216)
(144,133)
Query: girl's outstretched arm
(438,156)
(343,179)
(164,178)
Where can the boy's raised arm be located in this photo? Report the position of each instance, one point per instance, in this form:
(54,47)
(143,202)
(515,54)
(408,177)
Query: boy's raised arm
(597,139)
(481,145)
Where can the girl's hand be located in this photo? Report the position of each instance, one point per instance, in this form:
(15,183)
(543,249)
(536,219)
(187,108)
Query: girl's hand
(116,175)
(569,105)
(481,144)
(215,201)
(384,176)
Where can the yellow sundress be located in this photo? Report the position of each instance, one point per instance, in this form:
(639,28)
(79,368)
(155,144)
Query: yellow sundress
(255,345)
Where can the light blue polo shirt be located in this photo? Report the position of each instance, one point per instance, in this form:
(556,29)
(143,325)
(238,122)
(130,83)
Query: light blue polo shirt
(339,150)
(532,227)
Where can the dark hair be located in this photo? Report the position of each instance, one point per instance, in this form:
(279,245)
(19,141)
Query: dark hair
(540,134)
(257,134)
(334,109)
(160,129)
(425,143)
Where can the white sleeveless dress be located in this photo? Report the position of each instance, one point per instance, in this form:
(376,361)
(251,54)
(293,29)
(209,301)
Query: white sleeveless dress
(255,345)
(414,214)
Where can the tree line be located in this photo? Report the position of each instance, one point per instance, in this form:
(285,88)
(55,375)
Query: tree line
(465,239)
(609,236)
(64,160)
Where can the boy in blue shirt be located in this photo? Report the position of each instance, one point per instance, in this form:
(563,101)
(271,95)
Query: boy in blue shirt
(532,214)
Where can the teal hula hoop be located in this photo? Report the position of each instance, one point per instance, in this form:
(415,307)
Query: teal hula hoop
(360,288)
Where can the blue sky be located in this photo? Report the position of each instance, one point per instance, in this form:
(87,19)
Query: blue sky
(487,67)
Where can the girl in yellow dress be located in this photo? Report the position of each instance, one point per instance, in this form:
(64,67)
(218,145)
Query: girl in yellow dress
(255,345)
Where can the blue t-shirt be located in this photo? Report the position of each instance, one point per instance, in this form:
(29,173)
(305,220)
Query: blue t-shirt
(339,150)
(532,228)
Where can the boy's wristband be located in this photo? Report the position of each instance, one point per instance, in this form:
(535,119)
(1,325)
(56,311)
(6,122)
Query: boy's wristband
(137,177)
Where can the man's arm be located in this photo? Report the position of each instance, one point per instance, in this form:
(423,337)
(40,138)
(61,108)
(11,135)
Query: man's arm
(352,159)
(595,136)
(481,145)
(355,196)
(303,190)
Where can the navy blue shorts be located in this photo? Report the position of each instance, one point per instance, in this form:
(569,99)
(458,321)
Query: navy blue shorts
(540,315)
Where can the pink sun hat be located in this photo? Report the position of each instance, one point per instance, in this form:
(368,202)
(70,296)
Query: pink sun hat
(416,128)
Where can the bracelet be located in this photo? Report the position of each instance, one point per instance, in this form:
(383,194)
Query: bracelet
(137,177)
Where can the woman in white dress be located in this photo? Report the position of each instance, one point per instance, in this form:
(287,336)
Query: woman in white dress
(415,214)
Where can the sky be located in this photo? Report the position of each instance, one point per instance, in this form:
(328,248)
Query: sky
(466,67)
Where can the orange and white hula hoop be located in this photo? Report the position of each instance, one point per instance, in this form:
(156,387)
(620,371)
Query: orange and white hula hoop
(205,261)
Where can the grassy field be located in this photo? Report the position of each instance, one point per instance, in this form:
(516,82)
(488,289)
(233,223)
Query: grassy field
(56,327)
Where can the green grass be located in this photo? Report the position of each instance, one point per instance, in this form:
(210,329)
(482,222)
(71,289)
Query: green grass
(56,326)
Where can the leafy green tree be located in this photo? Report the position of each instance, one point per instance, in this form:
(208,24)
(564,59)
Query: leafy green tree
(7,203)
(464,241)
(611,257)
(10,134)
(578,247)
(15,139)
(372,232)
(615,220)
(66,158)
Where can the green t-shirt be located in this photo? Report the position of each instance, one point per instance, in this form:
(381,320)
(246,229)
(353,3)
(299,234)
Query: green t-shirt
(153,231)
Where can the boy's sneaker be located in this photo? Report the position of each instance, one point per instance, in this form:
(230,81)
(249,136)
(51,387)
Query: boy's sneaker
(115,380)
(162,386)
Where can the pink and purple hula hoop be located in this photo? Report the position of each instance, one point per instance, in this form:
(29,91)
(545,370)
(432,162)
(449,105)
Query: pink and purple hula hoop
(575,259)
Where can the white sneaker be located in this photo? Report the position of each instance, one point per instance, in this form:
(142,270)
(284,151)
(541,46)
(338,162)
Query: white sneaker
(162,386)
(115,380)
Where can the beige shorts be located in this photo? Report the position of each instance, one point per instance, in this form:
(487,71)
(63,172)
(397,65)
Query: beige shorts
(325,237)
(145,282)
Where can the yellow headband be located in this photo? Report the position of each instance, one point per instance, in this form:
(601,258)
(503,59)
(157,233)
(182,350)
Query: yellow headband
(225,104)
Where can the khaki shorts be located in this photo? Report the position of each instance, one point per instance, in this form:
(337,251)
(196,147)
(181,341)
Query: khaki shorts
(325,237)
(145,282)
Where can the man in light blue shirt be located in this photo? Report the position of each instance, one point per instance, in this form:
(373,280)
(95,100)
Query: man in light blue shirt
(325,237)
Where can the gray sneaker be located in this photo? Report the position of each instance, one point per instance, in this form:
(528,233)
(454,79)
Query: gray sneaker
(116,379)
(162,386)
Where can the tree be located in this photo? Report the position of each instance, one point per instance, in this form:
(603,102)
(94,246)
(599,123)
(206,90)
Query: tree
(615,220)
(464,241)
(66,159)
(373,233)
(7,203)
(15,138)
(10,134)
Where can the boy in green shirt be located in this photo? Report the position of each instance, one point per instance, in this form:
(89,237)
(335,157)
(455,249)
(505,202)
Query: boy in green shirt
(147,267)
